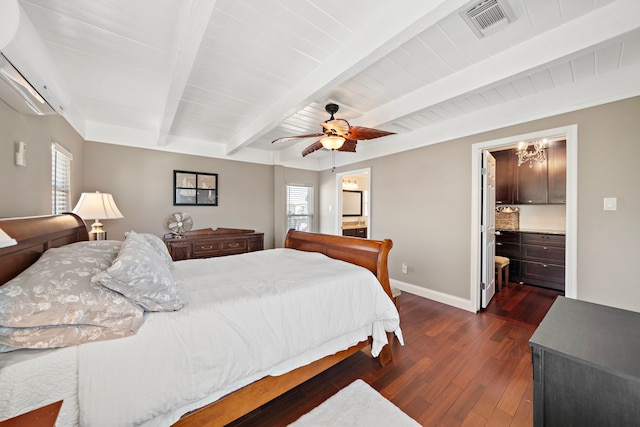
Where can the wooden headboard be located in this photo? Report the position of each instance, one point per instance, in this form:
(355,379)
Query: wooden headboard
(35,235)
(370,254)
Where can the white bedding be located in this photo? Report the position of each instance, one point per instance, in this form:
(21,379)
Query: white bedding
(245,316)
(30,379)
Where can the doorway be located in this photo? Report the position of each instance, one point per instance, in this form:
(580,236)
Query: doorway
(571,207)
(353,215)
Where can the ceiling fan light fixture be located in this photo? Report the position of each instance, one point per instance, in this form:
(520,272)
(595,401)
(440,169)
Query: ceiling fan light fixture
(332,142)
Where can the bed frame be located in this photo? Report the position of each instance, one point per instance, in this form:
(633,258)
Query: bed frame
(37,234)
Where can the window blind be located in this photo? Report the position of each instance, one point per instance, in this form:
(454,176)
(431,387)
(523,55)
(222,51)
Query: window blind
(300,208)
(60,179)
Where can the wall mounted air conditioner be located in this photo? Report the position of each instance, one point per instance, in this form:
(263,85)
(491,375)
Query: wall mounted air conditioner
(18,93)
(29,80)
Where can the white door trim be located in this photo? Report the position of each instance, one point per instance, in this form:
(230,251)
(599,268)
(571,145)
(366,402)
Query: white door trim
(571,226)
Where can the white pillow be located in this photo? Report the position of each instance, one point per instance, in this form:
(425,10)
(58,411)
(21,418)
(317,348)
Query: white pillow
(141,275)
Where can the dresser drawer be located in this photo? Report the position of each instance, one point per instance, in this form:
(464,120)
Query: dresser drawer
(507,236)
(234,246)
(543,274)
(509,250)
(543,239)
(204,249)
(550,254)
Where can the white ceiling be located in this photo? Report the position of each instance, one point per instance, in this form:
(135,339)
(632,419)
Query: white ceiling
(224,78)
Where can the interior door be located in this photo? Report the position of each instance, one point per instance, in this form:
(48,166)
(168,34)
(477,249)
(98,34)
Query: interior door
(488,229)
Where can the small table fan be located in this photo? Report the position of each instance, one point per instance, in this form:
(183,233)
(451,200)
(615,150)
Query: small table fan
(179,223)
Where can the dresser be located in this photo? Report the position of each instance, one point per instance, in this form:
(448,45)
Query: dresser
(586,370)
(209,243)
(536,258)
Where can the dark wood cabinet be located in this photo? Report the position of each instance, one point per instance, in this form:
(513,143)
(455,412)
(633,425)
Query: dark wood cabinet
(505,163)
(355,232)
(508,245)
(532,183)
(535,258)
(209,243)
(557,172)
(542,260)
(585,366)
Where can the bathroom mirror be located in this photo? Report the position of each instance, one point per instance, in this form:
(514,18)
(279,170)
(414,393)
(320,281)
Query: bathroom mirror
(351,203)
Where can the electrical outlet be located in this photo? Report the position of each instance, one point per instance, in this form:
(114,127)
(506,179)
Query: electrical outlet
(404,268)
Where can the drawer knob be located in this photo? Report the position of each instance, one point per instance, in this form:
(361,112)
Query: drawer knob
(545,265)
(206,247)
(234,245)
(544,248)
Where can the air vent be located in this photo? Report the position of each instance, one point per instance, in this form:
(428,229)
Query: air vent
(487,16)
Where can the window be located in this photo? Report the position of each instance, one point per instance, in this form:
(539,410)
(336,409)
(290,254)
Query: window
(300,207)
(60,179)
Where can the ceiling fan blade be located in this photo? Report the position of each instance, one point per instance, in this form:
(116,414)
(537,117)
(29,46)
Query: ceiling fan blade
(349,146)
(313,147)
(287,138)
(360,133)
(337,127)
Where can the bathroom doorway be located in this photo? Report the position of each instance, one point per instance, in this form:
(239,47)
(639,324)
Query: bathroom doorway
(353,215)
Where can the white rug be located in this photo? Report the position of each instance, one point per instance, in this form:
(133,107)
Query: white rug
(358,404)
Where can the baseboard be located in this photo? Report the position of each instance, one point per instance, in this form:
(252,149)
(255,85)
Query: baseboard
(437,296)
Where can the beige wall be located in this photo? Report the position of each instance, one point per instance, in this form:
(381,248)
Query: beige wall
(421,199)
(26,191)
(141,182)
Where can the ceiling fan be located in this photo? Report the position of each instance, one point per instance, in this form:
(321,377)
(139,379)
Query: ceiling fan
(337,134)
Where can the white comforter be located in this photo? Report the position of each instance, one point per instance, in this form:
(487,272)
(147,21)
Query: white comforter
(245,316)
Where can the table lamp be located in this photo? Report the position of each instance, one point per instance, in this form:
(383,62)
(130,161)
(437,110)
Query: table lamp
(97,206)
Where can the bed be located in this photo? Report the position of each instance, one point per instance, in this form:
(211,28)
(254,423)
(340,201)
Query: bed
(95,377)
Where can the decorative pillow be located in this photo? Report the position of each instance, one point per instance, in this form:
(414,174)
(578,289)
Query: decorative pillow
(64,336)
(158,245)
(56,291)
(142,276)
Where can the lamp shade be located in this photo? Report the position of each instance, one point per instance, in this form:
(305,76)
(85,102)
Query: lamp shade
(332,142)
(97,206)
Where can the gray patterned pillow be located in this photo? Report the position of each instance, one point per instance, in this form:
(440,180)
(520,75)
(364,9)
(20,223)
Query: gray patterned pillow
(56,292)
(142,276)
(158,245)
(40,337)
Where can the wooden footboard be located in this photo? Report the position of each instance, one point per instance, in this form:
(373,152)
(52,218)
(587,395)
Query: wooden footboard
(370,254)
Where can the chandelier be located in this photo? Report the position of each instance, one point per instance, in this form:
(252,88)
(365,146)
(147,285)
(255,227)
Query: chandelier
(538,154)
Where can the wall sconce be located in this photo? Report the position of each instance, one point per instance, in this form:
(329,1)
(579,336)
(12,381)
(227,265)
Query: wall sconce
(349,184)
(538,154)
(21,154)
(97,206)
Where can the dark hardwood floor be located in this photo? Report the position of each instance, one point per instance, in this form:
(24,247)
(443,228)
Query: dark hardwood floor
(522,303)
(456,369)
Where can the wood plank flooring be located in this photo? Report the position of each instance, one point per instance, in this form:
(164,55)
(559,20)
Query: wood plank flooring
(456,369)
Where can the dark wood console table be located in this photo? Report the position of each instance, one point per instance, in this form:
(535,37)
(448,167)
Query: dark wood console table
(586,366)
(208,243)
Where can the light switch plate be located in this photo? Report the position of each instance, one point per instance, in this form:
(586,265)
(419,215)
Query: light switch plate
(610,203)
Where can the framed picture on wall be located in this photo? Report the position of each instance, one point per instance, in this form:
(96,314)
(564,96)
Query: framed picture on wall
(195,188)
